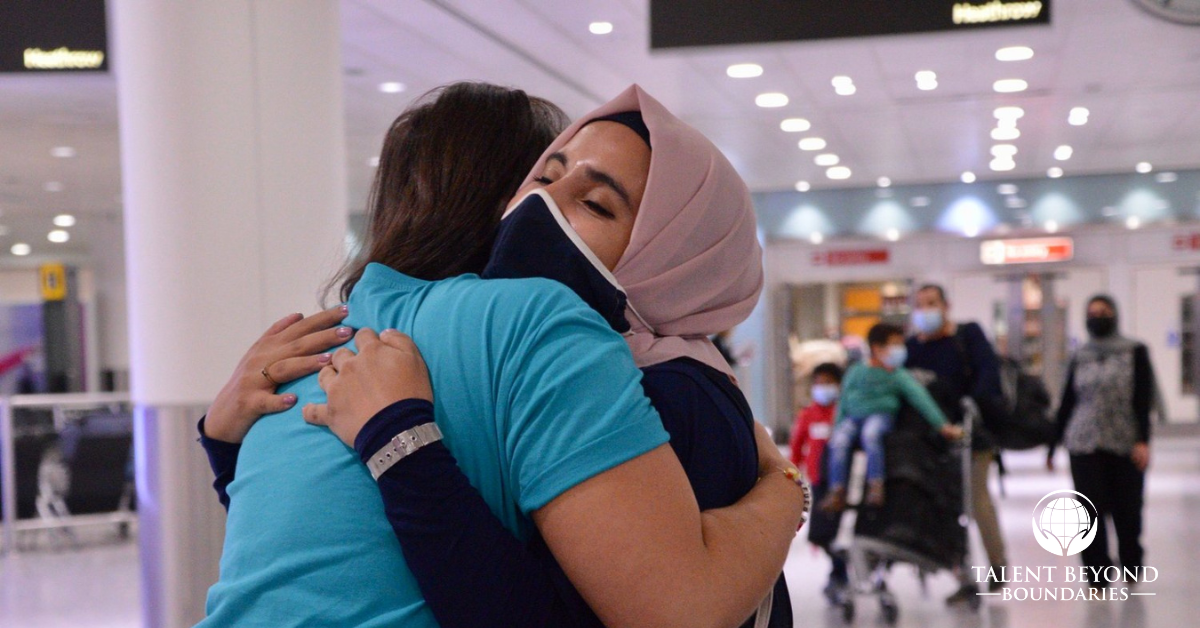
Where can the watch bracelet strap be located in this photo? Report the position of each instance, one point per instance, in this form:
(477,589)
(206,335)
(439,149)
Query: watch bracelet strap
(401,446)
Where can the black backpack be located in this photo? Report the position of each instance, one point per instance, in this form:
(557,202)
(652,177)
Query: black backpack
(1020,418)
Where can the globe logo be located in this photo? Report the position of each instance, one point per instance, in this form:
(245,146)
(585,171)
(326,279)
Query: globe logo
(1064,522)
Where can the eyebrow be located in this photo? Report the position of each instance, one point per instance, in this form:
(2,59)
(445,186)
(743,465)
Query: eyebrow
(598,176)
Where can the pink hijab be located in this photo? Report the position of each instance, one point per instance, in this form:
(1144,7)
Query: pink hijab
(693,267)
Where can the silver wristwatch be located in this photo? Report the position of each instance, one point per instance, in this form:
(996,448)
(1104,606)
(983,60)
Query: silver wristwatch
(401,446)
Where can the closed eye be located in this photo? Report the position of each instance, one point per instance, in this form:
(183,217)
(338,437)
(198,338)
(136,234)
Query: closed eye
(599,209)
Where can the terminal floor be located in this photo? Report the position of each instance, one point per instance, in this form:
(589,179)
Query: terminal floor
(97,587)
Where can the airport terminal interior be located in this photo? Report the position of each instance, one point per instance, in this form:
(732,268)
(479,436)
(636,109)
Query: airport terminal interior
(174,177)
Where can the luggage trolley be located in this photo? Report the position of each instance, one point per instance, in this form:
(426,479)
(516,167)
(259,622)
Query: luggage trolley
(882,537)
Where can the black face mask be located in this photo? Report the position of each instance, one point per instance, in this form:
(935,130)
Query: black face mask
(1101,326)
(532,243)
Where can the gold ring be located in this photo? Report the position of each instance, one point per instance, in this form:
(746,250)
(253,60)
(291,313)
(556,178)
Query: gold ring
(268,376)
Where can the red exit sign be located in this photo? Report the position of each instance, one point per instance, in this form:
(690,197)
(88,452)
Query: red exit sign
(1026,251)
(851,257)
(1186,242)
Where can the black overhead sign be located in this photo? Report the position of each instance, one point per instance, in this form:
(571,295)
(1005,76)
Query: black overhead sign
(683,23)
(53,36)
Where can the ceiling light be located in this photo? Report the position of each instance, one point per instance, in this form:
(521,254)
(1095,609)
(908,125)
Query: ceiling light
(1004,134)
(1052,226)
(971,231)
(1002,164)
(1010,112)
(826,159)
(1166,177)
(812,143)
(1054,172)
(1006,123)
(1133,222)
(53,186)
(1078,116)
(795,125)
(1144,166)
(1010,86)
(64,220)
(58,236)
(1014,53)
(926,75)
(21,249)
(884,182)
(803,186)
(1063,153)
(919,201)
(816,237)
(838,172)
(62,152)
(927,86)
(771,100)
(744,70)
(845,90)
(1007,189)
(391,87)
(968,177)
(1004,150)
(601,28)
(842,80)
(892,234)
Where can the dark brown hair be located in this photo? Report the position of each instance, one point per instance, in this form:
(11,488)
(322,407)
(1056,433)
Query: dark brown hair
(448,165)
(881,333)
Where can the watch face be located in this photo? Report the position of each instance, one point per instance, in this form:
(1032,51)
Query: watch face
(1182,11)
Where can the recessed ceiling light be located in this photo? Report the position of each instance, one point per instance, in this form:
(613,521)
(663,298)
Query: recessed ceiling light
(64,220)
(771,100)
(838,172)
(1002,164)
(845,90)
(1010,86)
(391,87)
(968,177)
(62,152)
(927,86)
(1004,150)
(892,234)
(1063,153)
(373,162)
(1166,177)
(884,182)
(53,186)
(1052,226)
(971,231)
(1054,172)
(795,125)
(1014,53)
(826,159)
(803,186)
(926,75)
(21,249)
(812,143)
(600,28)
(1144,166)
(1010,112)
(1133,222)
(58,236)
(1078,116)
(842,80)
(1006,123)
(1004,134)
(919,201)
(816,237)
(744,70)
(1007,189)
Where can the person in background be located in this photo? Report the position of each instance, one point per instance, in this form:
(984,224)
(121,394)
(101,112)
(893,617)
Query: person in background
(964,361)
(1104,422)
(871,398)
(814,424)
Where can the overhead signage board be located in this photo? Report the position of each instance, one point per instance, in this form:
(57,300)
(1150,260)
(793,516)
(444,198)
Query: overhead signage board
(851,257)
(1026,251)
(686,23)
(53,36)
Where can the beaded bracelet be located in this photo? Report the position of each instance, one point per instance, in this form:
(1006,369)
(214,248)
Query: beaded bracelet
(793,474)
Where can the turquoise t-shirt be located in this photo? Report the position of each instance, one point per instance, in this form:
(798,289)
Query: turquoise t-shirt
(534,393)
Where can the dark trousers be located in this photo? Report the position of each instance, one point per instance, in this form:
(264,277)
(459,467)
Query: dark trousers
(1115,486)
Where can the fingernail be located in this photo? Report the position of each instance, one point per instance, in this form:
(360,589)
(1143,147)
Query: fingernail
(289,399)
(344,309)
(324,358)
(344,332)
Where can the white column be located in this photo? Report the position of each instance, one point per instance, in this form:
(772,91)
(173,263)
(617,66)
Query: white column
(233,184)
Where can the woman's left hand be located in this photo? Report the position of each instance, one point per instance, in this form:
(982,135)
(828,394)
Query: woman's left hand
(386,369)
(1141,456)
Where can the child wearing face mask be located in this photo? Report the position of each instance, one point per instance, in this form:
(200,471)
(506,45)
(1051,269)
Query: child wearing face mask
(814,425)
(871,396)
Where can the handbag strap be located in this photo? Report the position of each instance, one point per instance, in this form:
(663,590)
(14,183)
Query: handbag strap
(763,617)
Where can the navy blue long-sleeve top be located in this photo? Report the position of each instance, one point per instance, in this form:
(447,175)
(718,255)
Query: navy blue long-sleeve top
(966,364)
(473,571)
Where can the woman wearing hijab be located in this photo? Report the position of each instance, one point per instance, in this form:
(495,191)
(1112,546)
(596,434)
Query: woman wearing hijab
(1104,422)
(691,268)
(718,568)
